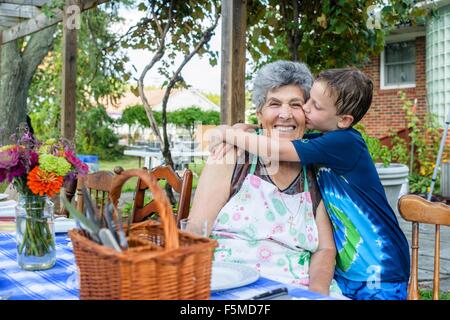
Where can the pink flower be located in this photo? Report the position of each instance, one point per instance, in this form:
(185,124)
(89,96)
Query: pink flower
(255,181)
(277,229)
(9,157)
(264,253)
(79,165)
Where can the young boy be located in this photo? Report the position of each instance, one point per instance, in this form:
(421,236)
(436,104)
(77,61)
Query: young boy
(373,255)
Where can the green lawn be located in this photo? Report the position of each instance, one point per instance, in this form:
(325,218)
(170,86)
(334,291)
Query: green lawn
(126,163)
(133,162)
(427,294)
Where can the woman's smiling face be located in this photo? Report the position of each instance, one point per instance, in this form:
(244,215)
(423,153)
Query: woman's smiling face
(282,113)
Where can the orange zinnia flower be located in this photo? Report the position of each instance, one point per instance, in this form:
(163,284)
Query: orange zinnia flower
(41,182)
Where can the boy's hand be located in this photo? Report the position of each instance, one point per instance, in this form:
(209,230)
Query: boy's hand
(216,136)
(245,127)
(220,150)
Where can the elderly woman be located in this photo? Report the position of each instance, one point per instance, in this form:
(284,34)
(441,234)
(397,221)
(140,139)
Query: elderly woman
(274,221)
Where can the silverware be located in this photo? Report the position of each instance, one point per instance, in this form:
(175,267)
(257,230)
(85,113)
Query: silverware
(270,294)
(86,224)
(90,209)
(122,238)
(108,213)
(108,239)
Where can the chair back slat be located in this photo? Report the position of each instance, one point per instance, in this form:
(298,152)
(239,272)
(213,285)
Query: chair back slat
(182,185)
(99,185)
(419,210)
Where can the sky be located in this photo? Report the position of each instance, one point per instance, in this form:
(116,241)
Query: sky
(198,72)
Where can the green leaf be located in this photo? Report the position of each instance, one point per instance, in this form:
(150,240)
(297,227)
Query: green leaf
(142,7)
(88,224)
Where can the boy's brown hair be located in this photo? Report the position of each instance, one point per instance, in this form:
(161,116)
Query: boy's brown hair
(352,89)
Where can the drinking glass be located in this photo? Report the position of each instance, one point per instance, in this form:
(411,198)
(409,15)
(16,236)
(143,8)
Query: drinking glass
(198,227)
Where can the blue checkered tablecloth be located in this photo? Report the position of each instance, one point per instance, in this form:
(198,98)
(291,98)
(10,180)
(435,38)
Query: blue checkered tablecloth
(263,285)
(61,281)
(57,283)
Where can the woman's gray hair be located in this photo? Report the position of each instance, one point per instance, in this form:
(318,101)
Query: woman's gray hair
(277,74)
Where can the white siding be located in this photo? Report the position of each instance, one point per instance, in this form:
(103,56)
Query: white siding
(438,63)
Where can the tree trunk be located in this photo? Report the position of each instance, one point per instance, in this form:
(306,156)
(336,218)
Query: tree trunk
(18,69)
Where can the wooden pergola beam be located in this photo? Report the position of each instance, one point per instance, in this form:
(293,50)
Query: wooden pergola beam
(232,95)
(36,3)
(41,21)
(1,37)
(69,76)
(19,11)
(8,22)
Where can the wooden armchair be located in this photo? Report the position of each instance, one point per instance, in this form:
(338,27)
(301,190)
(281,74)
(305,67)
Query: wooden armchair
(99,185)
(182,185)
(418,210)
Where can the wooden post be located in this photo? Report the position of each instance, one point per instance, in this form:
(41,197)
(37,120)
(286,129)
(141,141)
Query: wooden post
(69,74)
(1,44)
(232,95)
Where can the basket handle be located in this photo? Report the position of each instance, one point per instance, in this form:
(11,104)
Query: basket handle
(161,201)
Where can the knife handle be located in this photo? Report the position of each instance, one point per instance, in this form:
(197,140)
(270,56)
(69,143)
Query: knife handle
(108,239)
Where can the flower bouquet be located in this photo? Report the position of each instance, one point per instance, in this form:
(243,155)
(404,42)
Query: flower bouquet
(37,171)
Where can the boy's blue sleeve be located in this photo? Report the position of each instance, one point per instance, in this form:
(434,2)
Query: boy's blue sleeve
(338,150)
(312,135)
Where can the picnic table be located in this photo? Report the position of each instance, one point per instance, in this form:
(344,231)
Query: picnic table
(154,158)
(61,281)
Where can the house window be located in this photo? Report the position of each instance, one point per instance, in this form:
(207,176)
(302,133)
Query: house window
(398,65)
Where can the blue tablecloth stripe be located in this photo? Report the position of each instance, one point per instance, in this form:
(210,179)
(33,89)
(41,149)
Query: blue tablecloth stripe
(57,283)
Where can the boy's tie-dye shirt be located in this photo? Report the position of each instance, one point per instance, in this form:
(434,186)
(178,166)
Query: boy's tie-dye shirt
(370,244)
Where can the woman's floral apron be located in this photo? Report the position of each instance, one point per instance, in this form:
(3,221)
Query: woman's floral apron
(273,232)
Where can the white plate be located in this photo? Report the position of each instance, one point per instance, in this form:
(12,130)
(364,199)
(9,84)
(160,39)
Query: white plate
(3,196)
(63,224)
(226,275)
(8,208)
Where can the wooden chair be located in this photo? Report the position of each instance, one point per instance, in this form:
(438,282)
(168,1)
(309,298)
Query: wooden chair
(99,185)
(182,185)
(418,210)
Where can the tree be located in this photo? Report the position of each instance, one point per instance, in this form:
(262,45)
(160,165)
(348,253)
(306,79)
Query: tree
(28,85)
(184,21)
(189,117)
(324,34)
(170,28)
(20,59)
(134,115)
(95,134)
(100,76)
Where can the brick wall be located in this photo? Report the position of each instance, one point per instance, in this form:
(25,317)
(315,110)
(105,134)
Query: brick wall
(386,112)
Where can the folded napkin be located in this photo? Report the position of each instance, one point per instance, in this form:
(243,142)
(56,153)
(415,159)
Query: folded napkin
(8,208)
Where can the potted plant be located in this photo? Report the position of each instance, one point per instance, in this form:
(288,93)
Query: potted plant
(390,165)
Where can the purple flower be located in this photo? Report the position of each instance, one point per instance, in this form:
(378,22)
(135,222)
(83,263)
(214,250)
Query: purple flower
(16,171)
(2,175)
(9,157)
(33,159)
(71,176)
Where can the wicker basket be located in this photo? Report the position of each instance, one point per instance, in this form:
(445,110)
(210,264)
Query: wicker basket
(161,262)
